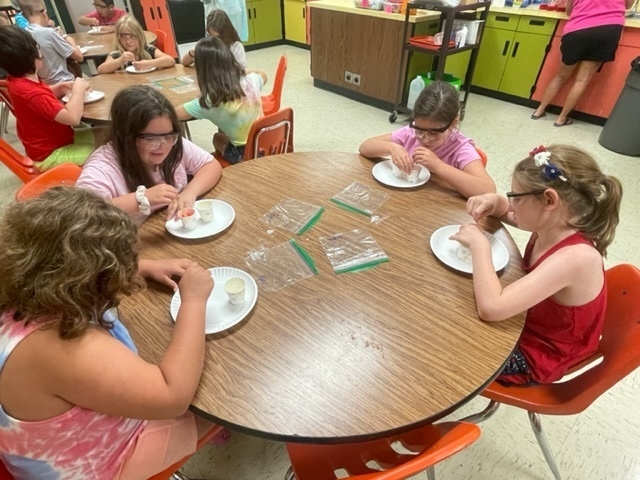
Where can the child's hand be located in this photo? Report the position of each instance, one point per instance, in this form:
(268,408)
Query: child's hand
(481,206)
(401,158)
(470,236)
(93,22)
(162,270)
(80,85)
(425,157)
(196,284)
(142,64)
(162,195)
(128,57)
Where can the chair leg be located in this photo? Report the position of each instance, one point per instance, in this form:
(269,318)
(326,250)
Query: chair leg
(483,415)
(534,418)
(289,475)
(4,120)
(431,473)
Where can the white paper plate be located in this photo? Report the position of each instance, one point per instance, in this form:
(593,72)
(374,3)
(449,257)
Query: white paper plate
(131,69)
(93,31)
(83,50)
(223,216)
(446,250)
(383,172)
(221,314)
(92,96)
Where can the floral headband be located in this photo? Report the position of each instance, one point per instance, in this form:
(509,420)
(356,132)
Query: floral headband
(542,158)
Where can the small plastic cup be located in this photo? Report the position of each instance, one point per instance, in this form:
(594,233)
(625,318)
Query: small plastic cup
(235,288)
(397,171)
(414,176)
(205,209)
(188,218)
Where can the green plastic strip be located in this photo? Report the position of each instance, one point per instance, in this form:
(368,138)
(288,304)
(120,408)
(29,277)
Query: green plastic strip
(364,266)
(312,221)
(350,207)
(305,256)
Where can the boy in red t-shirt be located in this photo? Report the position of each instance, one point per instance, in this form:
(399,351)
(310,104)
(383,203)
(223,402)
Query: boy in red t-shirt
(43,122)
(105,14)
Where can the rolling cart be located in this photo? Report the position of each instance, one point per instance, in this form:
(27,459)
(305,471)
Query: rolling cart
(448,15)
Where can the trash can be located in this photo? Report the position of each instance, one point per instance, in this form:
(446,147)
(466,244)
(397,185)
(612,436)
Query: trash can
(621,133)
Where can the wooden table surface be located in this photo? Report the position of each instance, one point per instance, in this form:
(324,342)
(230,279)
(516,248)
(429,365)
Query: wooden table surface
(103,44)
(112,83)
(335,357)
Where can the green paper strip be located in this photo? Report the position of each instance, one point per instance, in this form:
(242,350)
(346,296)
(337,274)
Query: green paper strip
(351,208)
(312,221)
(364,266)
(305,256)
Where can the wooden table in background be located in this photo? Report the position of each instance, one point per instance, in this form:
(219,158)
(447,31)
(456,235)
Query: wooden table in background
(105,41)
(112,83)
(335,357)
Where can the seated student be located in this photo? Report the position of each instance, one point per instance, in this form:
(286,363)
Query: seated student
(132,49)
(144,164)
(229,97)
(54,48)
(432,140)
(43,122)
(219,25)
(572,209)
(105,14)
(76,401)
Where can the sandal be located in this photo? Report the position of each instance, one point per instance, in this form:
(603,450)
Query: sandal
(568,122)
(537,117)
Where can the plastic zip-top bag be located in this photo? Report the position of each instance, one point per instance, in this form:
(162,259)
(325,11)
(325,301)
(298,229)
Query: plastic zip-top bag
(360,198)
(351,251)
(293,215)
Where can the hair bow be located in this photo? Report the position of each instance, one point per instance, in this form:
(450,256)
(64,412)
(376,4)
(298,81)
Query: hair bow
(542,158)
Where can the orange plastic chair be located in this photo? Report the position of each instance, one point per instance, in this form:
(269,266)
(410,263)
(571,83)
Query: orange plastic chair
(161,39)
(21,166)
(271,102)
(483,156)
(66,174)
(420,450)
(620,353)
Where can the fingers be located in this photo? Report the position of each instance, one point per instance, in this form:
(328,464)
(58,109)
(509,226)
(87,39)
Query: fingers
(167,280)
(172,209)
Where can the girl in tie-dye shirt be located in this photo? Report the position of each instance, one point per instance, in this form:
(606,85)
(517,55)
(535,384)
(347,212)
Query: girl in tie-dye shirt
(229,97)
(75,401)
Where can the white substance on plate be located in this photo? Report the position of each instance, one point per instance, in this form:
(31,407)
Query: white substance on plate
(463,253)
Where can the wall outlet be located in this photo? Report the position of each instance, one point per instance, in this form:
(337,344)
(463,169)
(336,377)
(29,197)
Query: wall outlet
(348,77)
(356,79)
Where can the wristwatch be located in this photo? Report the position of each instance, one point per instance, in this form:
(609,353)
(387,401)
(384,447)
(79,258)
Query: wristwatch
(143,202)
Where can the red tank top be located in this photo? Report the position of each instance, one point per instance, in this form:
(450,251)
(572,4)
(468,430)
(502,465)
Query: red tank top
(555,336)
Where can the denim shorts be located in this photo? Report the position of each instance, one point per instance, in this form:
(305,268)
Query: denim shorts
(233,154)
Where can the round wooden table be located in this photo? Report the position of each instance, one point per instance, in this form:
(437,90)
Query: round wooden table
(103,44)
(112,83)
(335,358)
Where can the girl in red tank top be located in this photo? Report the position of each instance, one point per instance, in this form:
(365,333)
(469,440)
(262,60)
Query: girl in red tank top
(572,209)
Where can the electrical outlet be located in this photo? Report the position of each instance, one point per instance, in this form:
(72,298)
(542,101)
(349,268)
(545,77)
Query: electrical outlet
(356,79)
(348,77)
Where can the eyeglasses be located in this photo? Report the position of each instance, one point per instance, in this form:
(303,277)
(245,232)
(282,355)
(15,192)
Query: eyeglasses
(127,36)
(430,133)
(512,195)
(155,140)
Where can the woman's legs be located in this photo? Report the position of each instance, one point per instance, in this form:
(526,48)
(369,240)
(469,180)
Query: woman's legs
(564,73)
(586,71)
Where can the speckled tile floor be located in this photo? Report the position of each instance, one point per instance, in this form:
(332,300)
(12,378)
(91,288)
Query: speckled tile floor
(599,444)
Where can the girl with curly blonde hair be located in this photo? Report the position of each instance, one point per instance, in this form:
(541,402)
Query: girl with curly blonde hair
(75,399)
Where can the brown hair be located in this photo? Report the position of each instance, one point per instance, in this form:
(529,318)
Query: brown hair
(218,72)
(591,196)
(131,24)
(219,21)
(439,102)
(67,256)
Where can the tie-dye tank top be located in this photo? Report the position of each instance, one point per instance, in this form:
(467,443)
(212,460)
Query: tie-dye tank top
(77,444)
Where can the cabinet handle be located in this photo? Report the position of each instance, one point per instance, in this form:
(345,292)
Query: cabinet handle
(159,13)
(502,19)
(304,12)
(153,15)
(506,48)
(537,23)
(255,15)
(249,11)
(515,49)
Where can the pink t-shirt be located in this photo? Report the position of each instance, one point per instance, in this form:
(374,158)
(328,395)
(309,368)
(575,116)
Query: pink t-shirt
(118,13)
(102,173)
(457,150)
(594,13)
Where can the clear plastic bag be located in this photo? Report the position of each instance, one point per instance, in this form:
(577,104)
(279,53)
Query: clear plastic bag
(354,250)
(360,198)
(280,266)
(293,215)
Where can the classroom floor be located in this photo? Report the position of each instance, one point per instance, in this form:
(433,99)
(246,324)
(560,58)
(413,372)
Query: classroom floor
(602,442)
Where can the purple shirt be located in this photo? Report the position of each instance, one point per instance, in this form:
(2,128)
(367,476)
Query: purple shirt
(457,150)
(594,13)
(102,173)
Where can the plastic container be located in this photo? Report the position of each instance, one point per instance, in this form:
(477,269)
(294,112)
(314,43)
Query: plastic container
(446,77)
(370,4)
(391,7)
(473,29)
(416,86)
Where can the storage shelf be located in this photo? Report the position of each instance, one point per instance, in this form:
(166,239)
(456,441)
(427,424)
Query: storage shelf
(433,51)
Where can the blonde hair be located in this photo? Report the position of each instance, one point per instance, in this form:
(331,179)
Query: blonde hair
(592,197)
(130,23)
(67,257)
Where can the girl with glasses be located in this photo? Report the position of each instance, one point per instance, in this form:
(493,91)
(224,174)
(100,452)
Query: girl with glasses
(433,141)
(572,209)
(132,49)
(144,163)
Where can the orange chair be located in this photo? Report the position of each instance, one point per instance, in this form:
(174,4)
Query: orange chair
(20,165)
(5,107)
(620,353)
(161,39)
(483,156)
(271,102)
(65,174)
(421,449)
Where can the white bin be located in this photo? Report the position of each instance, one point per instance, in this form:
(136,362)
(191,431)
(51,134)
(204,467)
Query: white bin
(473,29)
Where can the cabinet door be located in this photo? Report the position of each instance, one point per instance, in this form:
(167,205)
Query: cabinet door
(295,23)
(251,38)
(492,58)
(267,20)
(525,60)
(150,15)
(163,17)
